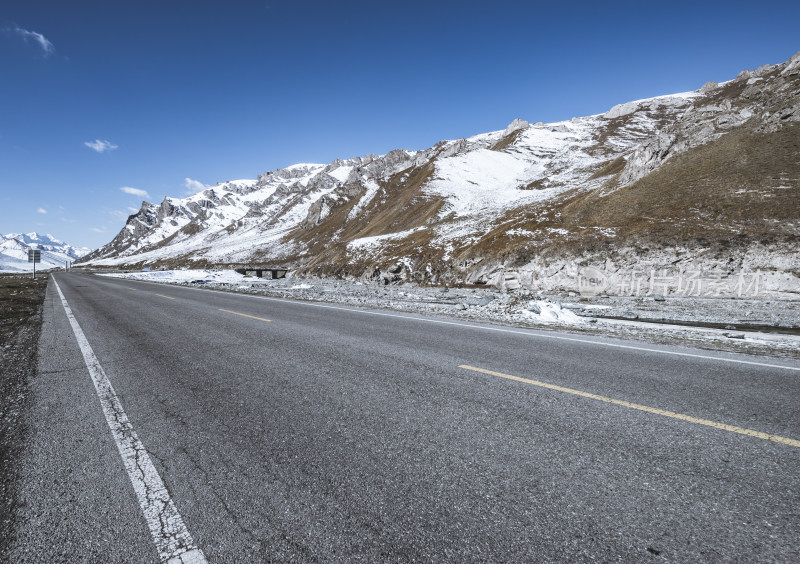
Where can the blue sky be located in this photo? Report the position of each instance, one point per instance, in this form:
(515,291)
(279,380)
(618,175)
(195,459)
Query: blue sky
(220,90)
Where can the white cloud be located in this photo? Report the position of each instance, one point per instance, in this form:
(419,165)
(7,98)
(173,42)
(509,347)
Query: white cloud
(132,209)
(37,38)
(101,145)
(41,210)
(99,229)
(194,186)
(135,192)
(119,214)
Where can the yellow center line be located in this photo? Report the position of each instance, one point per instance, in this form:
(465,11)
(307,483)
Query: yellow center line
(245,315)
(631,405)
(163,296)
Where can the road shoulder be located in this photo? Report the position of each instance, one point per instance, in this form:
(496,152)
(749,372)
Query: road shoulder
(21,302)
(75,499)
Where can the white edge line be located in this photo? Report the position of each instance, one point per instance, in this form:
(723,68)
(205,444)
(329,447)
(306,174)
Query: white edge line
(170,535)
(529,333)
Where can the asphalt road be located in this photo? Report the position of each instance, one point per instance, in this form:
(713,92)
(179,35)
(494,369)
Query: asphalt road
(295,432)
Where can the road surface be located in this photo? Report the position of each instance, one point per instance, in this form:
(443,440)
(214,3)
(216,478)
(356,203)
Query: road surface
(192,425)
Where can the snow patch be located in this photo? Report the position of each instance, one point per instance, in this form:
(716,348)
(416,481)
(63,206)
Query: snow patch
(478,180)
(372,189)
(368,242)
(548,312)
(669,100)
(185,276)
(341,173)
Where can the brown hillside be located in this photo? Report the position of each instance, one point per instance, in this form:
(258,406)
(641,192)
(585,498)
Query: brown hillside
(743,184)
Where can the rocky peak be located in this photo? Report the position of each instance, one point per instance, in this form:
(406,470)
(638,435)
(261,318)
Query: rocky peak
(709,86)
(714,110)
(792,67)
(515,125)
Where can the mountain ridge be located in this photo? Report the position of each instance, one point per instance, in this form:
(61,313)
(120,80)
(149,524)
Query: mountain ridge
(475,209)
(55,253)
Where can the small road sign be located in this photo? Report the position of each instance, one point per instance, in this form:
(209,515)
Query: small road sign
(34,256)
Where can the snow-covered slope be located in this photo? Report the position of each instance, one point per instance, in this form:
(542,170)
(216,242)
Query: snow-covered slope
(498,199)
(231,221)
(14,251)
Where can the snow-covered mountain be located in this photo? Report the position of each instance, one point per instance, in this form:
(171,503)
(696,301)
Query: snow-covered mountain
(697,174)
(14,252)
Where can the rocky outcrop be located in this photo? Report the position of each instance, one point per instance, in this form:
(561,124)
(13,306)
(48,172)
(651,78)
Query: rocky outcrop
(768,93)
(515,125)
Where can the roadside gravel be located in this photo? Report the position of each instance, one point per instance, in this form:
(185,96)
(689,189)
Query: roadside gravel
(21,300)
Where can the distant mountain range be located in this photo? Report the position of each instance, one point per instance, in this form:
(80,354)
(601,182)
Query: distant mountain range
(708,179)
(14,252)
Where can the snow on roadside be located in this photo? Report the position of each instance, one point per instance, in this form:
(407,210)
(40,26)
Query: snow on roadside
(548,312)
(184,276)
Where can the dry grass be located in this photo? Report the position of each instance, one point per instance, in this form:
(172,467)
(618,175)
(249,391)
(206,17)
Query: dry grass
(21,298)
(507,140)
(540,184)
(739,189)
(399,205)
(741,184)
(612,167)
